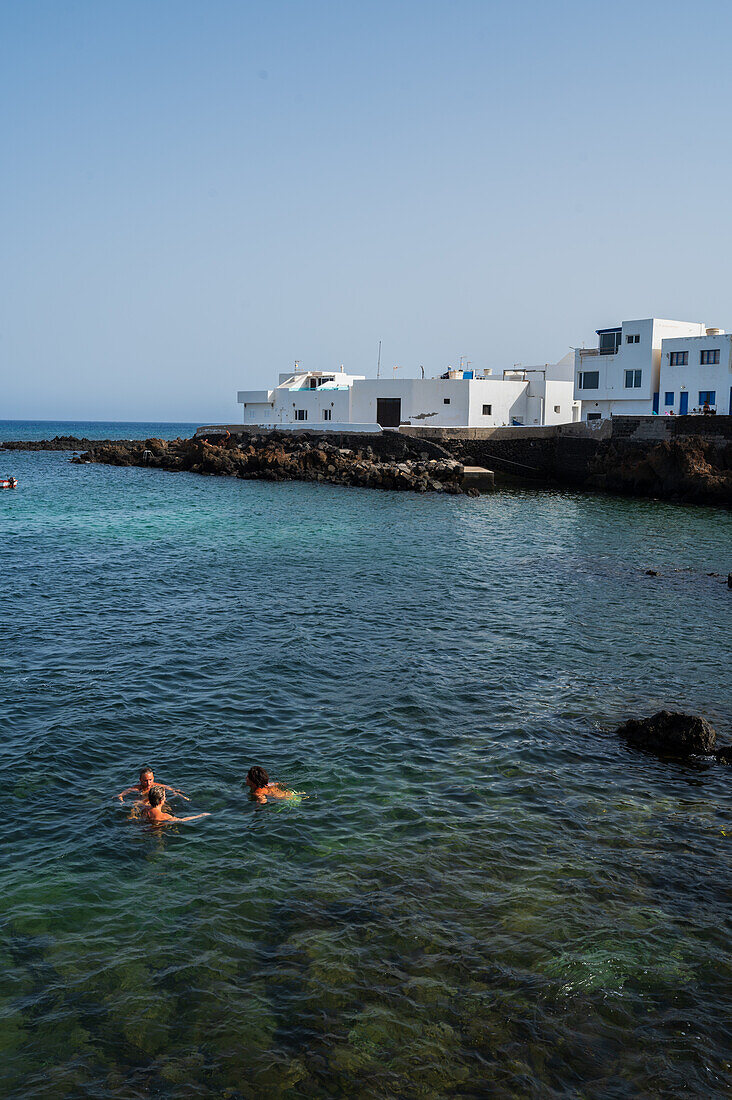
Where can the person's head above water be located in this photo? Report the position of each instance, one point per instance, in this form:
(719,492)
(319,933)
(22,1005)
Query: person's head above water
(257,778)
(146,777)
(156,796)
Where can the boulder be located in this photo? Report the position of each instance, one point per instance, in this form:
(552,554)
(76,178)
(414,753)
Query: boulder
(670,734)
(724,755)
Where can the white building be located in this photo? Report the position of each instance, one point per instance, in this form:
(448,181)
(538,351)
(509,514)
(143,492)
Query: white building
(323,400)
(695,372)
(621,376)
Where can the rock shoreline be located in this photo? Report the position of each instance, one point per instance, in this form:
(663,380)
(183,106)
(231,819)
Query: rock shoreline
(411,465)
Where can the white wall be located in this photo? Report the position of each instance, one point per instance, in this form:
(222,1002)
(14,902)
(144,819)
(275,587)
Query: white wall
(424,401)
(696,376)
(560,395)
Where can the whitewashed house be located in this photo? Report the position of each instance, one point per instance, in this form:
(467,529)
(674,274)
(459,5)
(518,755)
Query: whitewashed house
(324,400)
(301,398)
(621,376)
(697,371)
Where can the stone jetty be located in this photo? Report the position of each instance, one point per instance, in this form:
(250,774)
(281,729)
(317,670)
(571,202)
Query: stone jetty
(391,462)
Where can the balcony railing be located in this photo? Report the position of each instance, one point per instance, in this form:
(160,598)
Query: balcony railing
(585,353)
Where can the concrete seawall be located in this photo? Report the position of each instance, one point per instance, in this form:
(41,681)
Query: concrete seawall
(684,458)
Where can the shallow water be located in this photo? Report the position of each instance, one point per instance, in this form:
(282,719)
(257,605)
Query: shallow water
(484,893)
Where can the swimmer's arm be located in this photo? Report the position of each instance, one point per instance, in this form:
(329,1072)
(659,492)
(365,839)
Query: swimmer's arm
(193,817)
(129,790)
(167,787)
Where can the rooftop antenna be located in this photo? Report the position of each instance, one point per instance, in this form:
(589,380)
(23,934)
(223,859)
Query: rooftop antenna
(422,369)
(378,362)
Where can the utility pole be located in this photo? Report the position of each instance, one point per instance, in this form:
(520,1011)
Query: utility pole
(378,362)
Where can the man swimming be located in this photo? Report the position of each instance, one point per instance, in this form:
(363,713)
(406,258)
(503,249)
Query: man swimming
(155,813)
(258,782)
(143,788)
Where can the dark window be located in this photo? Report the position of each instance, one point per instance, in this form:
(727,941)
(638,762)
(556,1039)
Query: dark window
(327,414)
(487,410)
(610,340)
(668,399)
(594,416)
(679,358)
(589,380)
(446,401)
(634,339)
(707,357)
(633,379)
(707,397)
(301,414)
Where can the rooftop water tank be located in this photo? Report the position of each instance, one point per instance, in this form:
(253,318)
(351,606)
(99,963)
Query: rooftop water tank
(715,332)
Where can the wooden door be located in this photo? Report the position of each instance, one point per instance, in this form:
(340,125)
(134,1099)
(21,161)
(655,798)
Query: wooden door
(388,411)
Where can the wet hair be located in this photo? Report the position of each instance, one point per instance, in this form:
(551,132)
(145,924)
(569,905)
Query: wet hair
(156,796)
(258,776)
(145,771)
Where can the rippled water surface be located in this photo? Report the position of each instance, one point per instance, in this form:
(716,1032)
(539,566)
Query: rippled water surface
(483,893)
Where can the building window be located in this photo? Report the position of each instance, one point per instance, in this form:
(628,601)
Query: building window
(487,410)
(594,416)
(707,397)
(679,358)
(634,339)
(708,357)
(633,379)
(301,414)
(557,408)
(327,414)
(589,380)
(610,340)
(446,401)
(668,399)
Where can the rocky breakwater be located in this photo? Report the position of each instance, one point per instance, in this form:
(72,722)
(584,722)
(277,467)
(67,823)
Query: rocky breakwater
(284,457)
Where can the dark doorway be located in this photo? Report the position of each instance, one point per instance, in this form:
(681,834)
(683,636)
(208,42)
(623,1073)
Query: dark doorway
(388,411)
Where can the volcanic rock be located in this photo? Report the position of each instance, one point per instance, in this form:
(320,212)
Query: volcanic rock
(670,733)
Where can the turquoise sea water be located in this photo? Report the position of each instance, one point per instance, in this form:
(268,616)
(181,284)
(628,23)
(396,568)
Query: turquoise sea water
(484,893)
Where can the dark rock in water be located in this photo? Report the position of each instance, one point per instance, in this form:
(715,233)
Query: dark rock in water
(724,755)
(651,572)
(670,733)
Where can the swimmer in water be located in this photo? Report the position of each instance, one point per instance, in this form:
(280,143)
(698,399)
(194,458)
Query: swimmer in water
(143,788)
(258,782)
(155,813)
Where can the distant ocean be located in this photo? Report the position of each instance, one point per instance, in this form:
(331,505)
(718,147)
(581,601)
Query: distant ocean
(93,429)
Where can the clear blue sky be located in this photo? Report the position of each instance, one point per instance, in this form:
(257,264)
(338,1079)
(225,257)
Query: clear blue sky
(194,195)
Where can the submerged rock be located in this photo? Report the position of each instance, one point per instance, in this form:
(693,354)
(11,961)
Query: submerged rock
(723,755)
(670,733)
